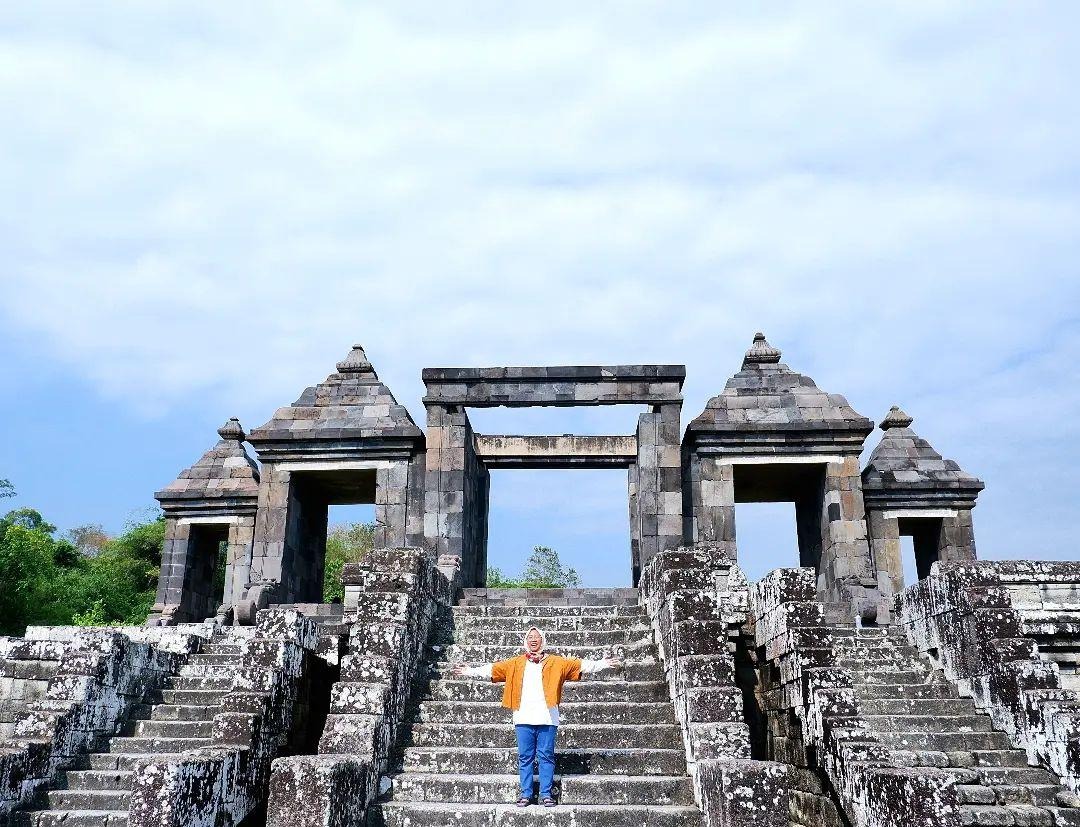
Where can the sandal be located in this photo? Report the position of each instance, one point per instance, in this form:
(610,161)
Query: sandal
(524,802)
(549,802)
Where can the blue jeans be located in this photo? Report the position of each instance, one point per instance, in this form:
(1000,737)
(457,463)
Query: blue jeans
(536,743)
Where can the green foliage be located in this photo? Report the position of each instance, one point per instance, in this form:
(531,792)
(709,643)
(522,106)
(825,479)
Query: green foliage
(6,489)
(47,581)
(344,544)
(543,570)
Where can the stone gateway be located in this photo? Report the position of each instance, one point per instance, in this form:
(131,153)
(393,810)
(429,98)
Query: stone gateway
(829,694)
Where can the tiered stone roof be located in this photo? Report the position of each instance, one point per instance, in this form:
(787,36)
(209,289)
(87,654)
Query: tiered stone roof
(350,405)
(905,463)
(223,476)
(766,397)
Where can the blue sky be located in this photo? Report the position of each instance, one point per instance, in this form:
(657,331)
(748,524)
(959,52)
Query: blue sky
(206,204)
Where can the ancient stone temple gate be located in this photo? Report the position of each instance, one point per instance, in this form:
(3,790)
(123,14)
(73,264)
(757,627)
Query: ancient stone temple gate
(772,434)
(828,694)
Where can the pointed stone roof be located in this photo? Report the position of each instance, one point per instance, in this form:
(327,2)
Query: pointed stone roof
(905,464)
(766,397)
(350,406)
(222,475)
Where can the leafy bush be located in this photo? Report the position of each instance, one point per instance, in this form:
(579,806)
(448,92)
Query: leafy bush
(543,570)
(344,544)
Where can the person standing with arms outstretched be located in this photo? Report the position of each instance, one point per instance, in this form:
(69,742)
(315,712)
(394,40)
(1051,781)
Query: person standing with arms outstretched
(533,688)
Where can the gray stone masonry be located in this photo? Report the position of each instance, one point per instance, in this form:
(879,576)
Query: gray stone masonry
(213,501)
(909,489)
(346,440)
(771,436)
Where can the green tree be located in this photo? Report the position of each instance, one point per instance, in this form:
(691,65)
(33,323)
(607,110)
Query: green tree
(543,570)
(6,489)
(344,544)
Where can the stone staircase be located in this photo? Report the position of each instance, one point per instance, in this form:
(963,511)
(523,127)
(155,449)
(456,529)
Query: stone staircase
(97,793)
(917,712)
(620,760)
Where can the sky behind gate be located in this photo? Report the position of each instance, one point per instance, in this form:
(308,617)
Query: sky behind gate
(205,204)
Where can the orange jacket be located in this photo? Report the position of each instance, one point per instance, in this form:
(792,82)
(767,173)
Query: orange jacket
(555,671)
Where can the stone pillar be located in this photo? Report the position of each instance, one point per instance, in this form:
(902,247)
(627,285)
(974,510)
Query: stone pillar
(845,575)
(168,604)
(712,497)
(885,551)
(271,527)
(658,493)
(957,537)
(455,520)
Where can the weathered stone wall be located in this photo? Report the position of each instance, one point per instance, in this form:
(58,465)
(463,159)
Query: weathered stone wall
(94,678)
(657,504)
(697,601)
(814,716)
(391,600)
(985,623)
(220,785)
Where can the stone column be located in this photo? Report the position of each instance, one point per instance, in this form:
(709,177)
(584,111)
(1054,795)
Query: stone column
(455,520)
(659,483)
(845,576)
(957,542)
(885,551)
(168,604)
(712,494)
(238,558)
(271,526)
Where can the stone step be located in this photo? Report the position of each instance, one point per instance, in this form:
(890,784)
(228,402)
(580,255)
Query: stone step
(573,691)
(71,818)
(913,677)
(192,697)
(570,712)
(113,761)
(1014,775)
(906,691)
(489,654)
(555,640)
(539,612)
(631,671)
(117,800)
(431,814)
(994,815)
(208,670)
(497,761)
(135,744)
(169,729)
(918,706)
(234,649)
(557,623)
(945,741)
(183,712)
(882,663)
(610,736)
(1064,816)
(928,723)
(219,682)
(571,789)
(549,597)
(94,780)
(216,658)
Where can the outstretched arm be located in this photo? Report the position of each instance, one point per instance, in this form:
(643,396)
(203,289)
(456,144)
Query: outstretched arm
(463,670)
(590,666)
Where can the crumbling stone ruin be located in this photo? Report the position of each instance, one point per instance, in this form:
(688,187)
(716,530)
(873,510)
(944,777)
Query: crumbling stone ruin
(828,694)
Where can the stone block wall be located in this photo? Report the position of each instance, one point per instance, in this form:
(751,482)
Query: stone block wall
(696,598)
(392,599)
(987,623)
(94,679)
(815,721)
(222,784)
(656,510)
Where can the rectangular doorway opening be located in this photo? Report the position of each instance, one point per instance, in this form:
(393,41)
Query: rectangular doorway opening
(920,546)
(580,513)
(785,506)
(208,545)
(311,497)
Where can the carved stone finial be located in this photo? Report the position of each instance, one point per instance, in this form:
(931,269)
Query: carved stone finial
(232,430)
(355,362)
(895,418)
(761,352)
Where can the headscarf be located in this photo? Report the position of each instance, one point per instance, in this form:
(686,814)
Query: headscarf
(539,656)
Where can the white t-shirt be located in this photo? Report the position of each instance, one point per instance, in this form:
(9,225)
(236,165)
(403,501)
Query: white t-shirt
(534,709)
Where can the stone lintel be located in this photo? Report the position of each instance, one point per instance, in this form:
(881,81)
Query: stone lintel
(566,451)
(338,450)
(791,441)
(212,508)
(562,386)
